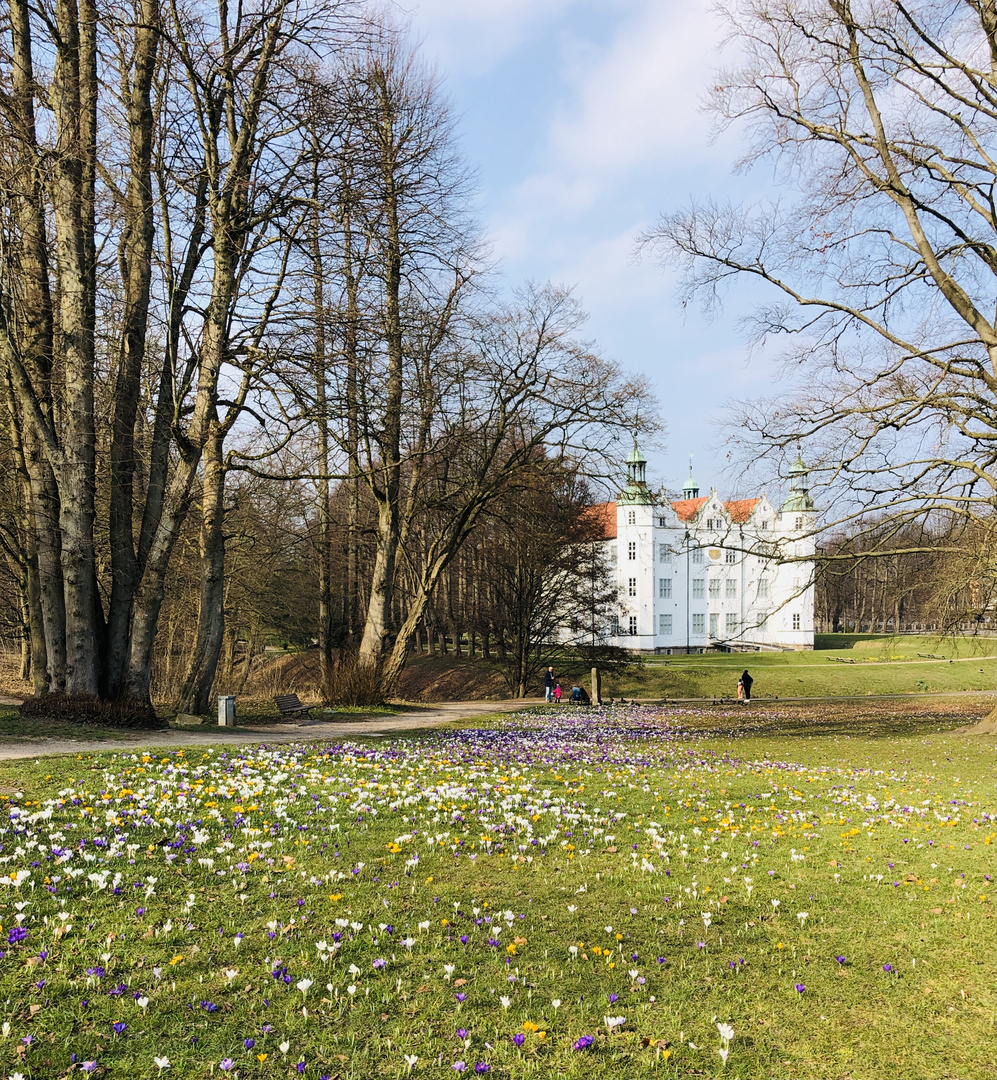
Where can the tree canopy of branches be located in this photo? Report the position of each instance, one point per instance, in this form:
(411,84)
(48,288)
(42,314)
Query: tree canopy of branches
(146,153)
(937,590)
(241,239)
(430,397)
(547,575)
(882,264)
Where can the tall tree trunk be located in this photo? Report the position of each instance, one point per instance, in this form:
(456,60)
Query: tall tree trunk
(377,629)
(195,694)
(136,257)
(351,333)
(325,532)
(34,345)
(74,91)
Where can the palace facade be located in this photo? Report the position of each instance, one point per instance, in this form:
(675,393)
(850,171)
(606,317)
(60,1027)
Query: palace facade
(703,573)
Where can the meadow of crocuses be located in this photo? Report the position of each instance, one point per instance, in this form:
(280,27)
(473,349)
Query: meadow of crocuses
(617,893)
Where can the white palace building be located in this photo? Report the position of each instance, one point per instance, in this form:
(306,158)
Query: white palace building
(700,573)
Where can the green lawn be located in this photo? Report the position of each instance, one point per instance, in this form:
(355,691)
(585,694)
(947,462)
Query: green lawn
(606,893)
(841,665)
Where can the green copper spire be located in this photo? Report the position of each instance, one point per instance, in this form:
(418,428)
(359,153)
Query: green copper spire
(636,492)
(799,494)
(690,489)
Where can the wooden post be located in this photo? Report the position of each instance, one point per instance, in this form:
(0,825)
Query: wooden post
(596,687)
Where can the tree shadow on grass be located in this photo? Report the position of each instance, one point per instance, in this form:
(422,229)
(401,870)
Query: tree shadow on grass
(884,720)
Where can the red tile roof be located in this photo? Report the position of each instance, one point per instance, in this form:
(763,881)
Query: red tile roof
(687,509)
(740,509)
(602,518)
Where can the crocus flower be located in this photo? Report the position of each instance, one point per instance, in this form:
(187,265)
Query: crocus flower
(800,987)
(582,1043)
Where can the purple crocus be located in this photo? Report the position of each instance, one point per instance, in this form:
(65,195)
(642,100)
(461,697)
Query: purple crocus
(519,1038)
(840,959)
(800,987)
(887,968)
(482,1067)
(583,1043)
(16,935)
(226,1064)
(378,964)
(119,1027)
(461,997)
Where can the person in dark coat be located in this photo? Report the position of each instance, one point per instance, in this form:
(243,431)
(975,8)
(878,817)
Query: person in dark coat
(549,683)
(746,681)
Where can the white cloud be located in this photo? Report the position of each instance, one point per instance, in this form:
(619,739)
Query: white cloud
(471,35)
(638,101)
(629,126)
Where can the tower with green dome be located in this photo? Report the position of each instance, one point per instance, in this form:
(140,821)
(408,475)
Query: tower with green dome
(636,493)
(798,500)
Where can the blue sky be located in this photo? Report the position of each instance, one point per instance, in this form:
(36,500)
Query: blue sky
(584,120)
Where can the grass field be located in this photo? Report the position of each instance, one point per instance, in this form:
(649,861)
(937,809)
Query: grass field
(786,892)
(843,665)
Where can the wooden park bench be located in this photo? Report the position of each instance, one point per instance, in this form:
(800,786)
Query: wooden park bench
(290,704)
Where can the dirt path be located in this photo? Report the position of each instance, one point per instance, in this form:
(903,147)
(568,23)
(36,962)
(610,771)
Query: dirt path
(309,731)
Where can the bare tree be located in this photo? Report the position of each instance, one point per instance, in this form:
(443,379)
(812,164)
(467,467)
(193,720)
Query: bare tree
(882,115)
(547,573)
(127,261)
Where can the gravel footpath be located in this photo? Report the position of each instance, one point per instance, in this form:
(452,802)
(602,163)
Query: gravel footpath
(307,731)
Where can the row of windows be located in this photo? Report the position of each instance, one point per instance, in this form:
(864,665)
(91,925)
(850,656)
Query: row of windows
(699,585)
(666,554)
(714,524)
(665,623)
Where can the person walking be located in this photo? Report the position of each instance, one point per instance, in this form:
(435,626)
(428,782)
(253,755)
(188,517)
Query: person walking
(557,693)
(745,684)
(549,683)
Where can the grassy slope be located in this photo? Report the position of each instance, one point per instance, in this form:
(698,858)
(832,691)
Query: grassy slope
(879,665)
